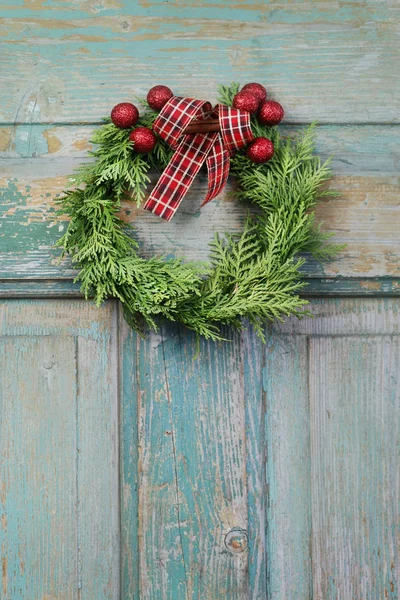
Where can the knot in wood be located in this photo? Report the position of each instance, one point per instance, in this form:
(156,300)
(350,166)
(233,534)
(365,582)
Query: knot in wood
(236,540)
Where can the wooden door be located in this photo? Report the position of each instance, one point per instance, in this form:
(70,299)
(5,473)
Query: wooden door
(150,468)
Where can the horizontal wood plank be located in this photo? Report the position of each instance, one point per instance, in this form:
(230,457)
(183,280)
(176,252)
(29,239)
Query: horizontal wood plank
(346,316)
(72,62)
(365,217)
(316,286)
(355,150)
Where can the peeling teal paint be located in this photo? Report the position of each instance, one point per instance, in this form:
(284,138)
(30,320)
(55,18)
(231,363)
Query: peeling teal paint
(29,140)
(213,438)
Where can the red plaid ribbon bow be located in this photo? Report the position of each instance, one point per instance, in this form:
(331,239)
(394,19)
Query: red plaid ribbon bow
(192,150)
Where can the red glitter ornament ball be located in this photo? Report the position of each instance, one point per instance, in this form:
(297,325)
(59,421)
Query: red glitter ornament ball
(124,115)
(260,150)
(158,96)
(256,89)
(270,113)
(143,140)
(246,101)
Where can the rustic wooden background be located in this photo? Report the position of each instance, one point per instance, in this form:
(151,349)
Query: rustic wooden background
(216,451)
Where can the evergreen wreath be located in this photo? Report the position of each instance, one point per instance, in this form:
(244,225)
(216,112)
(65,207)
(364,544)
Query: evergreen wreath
(255,275)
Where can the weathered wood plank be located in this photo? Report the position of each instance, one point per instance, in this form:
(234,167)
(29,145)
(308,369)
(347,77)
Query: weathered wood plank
(346,316)
(287,438)
(332,431)
(316,287)
(38,536)
(253,360)
(365,217)
(97,466)
(355,491)
(59,505)
(190,431)
(242,10)
(129,464)
(73,62)
(361,150)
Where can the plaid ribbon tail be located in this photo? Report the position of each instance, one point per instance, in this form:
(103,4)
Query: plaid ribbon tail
(218,163)
(179,174)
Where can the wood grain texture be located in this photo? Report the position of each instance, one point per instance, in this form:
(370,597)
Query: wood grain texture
(333,437)
(366,217)
(59,506)
(355,436)
(75,60)
(316,287)
(287,434)
(361,150)
(184,409)
(290,447)
(253,361)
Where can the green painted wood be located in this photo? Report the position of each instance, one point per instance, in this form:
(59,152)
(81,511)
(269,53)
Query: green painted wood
(215,439)
(355,435)
(188,422)
(332,433)
(362,150)
(365,217)
(316,287)
(73,61)
(288,516)
(185,430)
(255,400)
(59,505)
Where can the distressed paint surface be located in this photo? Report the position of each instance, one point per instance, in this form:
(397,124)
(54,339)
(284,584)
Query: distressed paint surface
(59,532)
(365,217)
(333,439)
(307,53)
(189,427)
(354,397)
(319,501)
(50,104)
(217,440)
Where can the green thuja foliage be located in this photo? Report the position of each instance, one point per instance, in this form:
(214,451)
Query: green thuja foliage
(255,275)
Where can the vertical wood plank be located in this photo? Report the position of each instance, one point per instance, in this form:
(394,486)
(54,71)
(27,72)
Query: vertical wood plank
(355,400)
(59,504)
(288,469)
(97,469)
(253,356)
(192,466)
(38,533)
(129,463)
(332,440)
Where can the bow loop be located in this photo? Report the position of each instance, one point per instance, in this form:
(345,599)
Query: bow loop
(193,150)
(176,116)
(235,127)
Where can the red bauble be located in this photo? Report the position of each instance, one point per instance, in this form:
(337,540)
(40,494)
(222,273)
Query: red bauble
(246,101)
(143,140)
(158,96)
(260,150)
(256,89)
(270,113)
(124,115)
